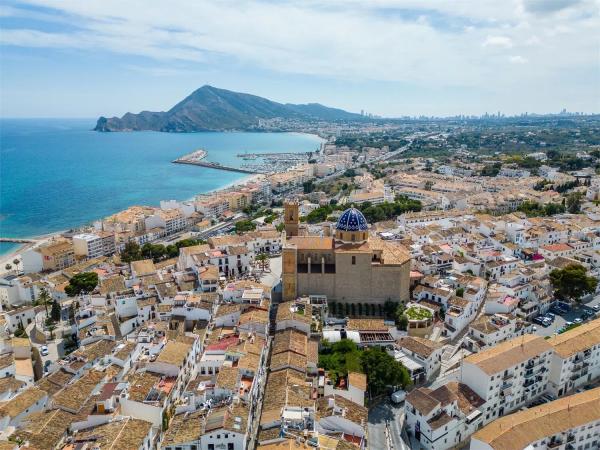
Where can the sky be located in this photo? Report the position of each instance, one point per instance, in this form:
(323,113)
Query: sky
(73,58)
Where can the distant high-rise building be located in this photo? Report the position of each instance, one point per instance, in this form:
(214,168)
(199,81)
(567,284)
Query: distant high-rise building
(362,112)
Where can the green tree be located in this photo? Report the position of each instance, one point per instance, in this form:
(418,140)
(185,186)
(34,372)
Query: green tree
(243,226)
(398,313)
(82,283)
(20,331)
(308,186)
(44,298)
(189,242)
(131,252)
(383,371)
(155,252)
(172,251)
(574,202)
(460,292)
(389,309)
(280,227)
(55,311)
(403,322)
(8,267)
(263,260)
(572,282)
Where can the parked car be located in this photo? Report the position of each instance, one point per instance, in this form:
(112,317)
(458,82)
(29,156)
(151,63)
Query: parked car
(578,320)
(596,307)
(539,320)
(399,396)
(546,322)
(44,350)
(550,316)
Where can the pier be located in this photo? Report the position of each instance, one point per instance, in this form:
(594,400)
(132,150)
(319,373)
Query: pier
(197,159)
(18,240)
(296,155)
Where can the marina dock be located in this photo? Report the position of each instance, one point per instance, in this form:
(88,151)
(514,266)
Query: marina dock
(297,155)
(17,240)
(197,159)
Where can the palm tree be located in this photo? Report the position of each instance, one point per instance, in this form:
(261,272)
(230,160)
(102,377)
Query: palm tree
(8,267)
(16,261)
(44,298)
(263,260)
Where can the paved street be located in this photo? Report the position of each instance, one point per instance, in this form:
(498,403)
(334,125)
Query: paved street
(386,413)
(272,278)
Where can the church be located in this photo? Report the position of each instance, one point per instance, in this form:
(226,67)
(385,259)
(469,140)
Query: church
(349,267)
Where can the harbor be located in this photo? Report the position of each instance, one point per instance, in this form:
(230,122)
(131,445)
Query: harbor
(197,157)
(273,162)
(269,162)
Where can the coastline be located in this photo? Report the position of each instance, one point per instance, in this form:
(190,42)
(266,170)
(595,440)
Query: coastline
(8,258)
(16,251)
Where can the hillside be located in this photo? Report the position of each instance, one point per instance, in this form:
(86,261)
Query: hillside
(213,109)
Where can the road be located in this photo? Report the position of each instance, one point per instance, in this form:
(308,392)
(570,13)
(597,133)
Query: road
(386,415)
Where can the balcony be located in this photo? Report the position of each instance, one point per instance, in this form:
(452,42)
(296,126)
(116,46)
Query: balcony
(576,376)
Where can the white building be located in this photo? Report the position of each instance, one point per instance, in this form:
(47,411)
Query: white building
(571,422)
(443,418)
(509,375)
(94,245)
(576,358)
(426,352)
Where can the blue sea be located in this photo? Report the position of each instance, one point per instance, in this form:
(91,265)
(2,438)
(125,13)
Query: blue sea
(56,173)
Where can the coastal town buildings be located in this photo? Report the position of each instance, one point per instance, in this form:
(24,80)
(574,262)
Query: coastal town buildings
(215,343)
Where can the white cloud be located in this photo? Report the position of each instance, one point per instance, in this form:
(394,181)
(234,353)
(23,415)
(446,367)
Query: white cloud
(423,42)
(498,41)
(517,59)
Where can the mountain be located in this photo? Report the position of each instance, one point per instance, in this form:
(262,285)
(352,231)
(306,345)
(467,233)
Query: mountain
(213,109)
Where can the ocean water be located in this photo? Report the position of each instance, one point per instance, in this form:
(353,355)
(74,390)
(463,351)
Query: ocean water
(57,173)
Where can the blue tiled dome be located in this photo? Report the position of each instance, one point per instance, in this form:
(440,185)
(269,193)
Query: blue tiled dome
(352,220)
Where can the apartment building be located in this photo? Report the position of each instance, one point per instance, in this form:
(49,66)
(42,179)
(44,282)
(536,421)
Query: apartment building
(576,358)
(55,255)
(94,245)
(171,220)
(212,206)
(510,374)
(571,422)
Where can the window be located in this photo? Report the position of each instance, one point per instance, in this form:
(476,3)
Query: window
(230,446)
(354,260)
